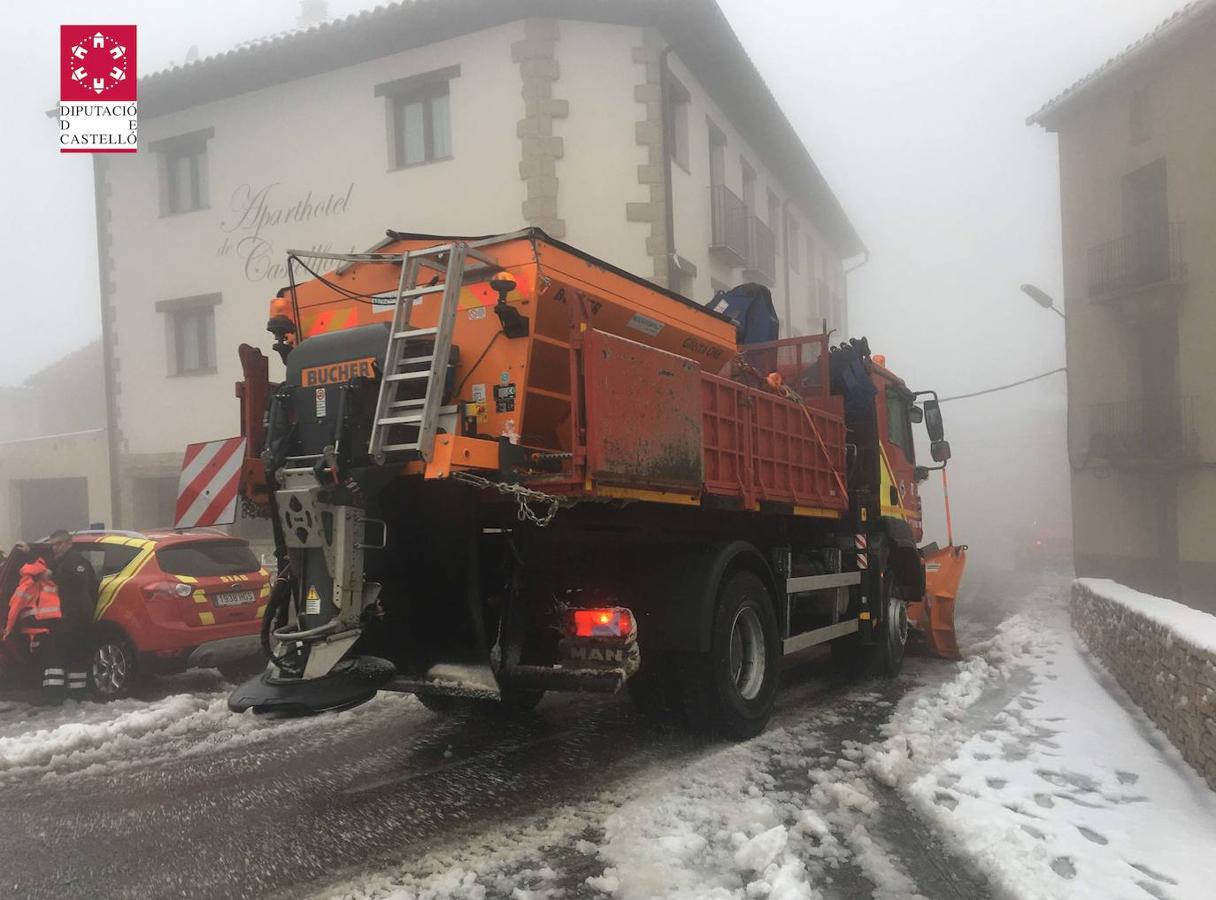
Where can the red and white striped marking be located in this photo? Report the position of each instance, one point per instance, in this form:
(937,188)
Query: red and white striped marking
(207,488)
(863,543)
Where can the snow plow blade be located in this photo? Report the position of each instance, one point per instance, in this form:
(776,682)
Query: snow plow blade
(935,615)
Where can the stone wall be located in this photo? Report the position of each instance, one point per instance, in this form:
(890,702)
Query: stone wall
(1163,654)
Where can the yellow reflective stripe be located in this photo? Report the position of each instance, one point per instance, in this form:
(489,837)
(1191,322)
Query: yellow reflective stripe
(200,596)
(261,611)
(817,512)
(113,584)
(206,618)
(124,541)
(623,493)
(886,482)
(186,579)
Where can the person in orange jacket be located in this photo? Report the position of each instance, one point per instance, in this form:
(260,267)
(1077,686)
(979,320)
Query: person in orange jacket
(35,603)
(65,653)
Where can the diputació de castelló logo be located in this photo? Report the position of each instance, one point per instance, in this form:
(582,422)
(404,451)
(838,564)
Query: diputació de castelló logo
(98,109)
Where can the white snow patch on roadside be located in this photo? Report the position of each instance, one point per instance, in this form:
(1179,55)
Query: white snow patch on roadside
(99,738)
(1064,792)
(1188,625)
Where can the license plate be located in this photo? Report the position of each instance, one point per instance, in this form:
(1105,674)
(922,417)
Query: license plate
(237,598)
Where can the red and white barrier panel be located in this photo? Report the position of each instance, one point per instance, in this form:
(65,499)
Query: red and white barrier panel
(207,488)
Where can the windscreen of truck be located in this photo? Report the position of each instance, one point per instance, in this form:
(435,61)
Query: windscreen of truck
(207,559)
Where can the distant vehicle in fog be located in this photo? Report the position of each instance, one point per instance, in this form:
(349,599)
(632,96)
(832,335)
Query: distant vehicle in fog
(1046,547)
(169,601)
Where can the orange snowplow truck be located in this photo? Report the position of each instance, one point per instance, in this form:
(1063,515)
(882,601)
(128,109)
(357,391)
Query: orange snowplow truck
(498,466)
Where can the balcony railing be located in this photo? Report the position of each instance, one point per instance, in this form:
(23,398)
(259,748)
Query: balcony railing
(729,217)
(761,253)
(1154,430)
(1142,259)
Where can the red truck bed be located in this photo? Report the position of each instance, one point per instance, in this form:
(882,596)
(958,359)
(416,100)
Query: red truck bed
(656,422)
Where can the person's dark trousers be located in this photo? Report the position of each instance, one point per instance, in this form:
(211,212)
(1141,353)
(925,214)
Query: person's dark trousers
(65,656)
(52,660)
(78,654)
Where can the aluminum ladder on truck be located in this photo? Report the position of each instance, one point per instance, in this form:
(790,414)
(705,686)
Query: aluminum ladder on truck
(416,361)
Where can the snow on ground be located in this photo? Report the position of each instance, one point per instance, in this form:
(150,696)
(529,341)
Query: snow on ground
(92,738)
(1189,625)
(1068,790)
(1025,760)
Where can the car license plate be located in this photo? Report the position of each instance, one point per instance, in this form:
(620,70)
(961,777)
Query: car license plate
(237,598)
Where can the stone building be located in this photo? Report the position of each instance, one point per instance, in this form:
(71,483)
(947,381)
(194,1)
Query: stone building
(1137,140)
(54,465)
(638,130)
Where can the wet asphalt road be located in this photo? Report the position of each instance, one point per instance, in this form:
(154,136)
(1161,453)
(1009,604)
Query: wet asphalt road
(288,815)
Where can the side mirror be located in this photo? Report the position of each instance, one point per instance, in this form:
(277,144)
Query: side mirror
(933,421)
(916,414)
(919,474)
(939,450)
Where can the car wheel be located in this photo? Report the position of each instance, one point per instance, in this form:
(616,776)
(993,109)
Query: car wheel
(113,667)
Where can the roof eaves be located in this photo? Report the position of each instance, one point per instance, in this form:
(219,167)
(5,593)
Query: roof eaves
(369,34)
(1165,34)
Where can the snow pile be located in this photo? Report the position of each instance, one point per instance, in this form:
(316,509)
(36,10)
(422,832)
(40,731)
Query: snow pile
(930,724)
(1184,623)
(719,830)
(1066,790)
(747,821)
(92,738)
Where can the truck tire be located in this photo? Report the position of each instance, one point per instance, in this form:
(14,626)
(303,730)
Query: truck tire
(731,690)
(885,656)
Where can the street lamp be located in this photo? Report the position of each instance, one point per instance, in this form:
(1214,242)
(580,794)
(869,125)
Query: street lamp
(1042,298)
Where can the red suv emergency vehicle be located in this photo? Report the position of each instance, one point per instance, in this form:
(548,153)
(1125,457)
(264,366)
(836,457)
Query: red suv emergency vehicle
(169,601)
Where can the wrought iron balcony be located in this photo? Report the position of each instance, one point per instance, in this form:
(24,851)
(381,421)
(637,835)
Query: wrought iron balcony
(729,217)
(761,262)
(1137,261)
(1151,431)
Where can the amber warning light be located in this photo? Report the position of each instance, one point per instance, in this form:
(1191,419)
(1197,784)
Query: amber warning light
(610,622)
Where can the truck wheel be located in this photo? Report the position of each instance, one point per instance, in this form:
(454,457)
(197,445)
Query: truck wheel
(892,638)
(731,689)
(886,655)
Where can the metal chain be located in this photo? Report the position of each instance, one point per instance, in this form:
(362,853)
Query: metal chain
(524,497)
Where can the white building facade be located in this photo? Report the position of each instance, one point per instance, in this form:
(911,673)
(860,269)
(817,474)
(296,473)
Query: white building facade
(639,132)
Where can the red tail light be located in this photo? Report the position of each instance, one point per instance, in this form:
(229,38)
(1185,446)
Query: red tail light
(613,621)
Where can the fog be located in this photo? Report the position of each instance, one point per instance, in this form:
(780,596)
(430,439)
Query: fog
(914,112)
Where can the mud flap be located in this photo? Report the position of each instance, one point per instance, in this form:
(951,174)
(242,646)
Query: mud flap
(934,616)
